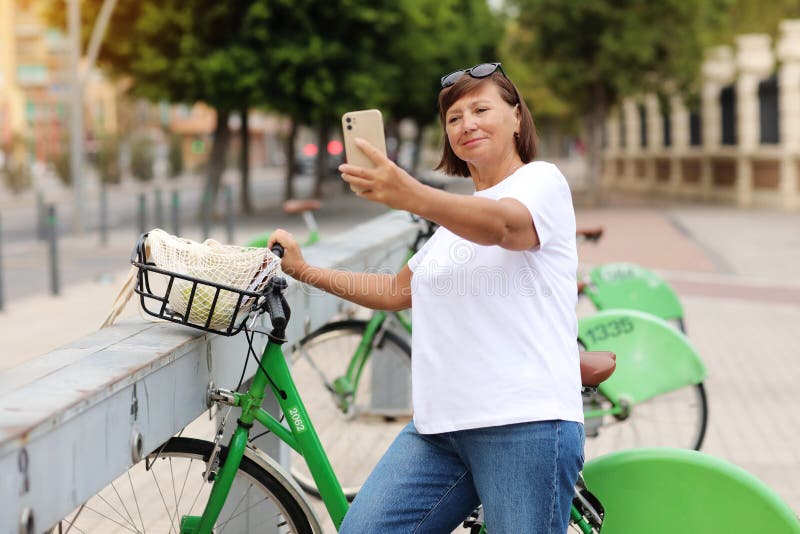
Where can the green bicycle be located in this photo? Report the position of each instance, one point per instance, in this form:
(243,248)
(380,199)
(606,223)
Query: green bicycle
(356,373)
(628,286)
(192,486)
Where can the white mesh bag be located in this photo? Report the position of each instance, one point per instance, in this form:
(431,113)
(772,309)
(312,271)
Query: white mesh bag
(242,268)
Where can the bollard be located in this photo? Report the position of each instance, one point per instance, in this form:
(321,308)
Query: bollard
(229,213)
(41,217)
(55,288)
(142,213)
(176,213)
(206,214)
(2,297)
(159,209)
(103,213)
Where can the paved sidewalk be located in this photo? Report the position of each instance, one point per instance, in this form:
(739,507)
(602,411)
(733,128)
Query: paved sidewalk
(735,270)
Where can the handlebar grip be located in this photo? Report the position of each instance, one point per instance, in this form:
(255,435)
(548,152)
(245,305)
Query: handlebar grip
(277,314)
(278,250)
(277,306)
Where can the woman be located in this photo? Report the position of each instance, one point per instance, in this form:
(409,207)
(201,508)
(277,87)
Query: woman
(496,381)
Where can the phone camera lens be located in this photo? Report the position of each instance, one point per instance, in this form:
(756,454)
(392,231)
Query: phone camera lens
(349,127)
(348,119)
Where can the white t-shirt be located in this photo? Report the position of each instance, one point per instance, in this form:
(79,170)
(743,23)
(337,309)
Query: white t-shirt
(495,330)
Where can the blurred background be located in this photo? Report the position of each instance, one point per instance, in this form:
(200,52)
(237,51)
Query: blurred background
(104,92)
(676,122)
(199,116)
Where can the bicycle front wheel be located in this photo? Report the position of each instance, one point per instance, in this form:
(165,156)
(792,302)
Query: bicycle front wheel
(354,436)
(675,419)
(154,495)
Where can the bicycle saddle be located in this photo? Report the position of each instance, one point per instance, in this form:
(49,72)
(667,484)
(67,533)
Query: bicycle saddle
(596,367)
(590,234)
(295,205)
(582,287)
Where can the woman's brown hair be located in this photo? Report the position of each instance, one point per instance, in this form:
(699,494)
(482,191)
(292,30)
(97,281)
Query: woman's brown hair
(525,141)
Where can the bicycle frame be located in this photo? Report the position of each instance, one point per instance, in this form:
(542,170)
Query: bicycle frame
(300,435)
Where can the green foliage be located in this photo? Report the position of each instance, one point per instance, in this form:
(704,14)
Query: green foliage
(61,165)
(142,157)
(175,155)
(108,160)
(307,59)
(16,169)
(437,37)
(755,16)
(325,58)
(592,52)
(538,95)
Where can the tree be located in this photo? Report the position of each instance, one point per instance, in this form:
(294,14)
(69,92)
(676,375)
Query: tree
(188,51)
(325,59)
(437,37)
(591,53)
(755,16)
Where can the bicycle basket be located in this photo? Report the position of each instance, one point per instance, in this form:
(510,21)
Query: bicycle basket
(205,285)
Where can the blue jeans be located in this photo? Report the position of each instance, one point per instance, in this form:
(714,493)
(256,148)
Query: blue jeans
(523,474)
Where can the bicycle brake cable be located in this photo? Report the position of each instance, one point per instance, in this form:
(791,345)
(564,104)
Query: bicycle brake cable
(250,336)
(251,351)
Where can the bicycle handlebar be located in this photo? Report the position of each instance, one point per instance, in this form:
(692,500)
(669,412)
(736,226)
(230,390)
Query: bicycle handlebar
(276,305)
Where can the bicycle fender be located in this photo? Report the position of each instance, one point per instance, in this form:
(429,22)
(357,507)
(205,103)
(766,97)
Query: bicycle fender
(665,491)
(629,286)
(653,358)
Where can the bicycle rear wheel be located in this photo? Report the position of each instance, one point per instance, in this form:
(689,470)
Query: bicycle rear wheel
(154,499)
(675,419)
(356,439)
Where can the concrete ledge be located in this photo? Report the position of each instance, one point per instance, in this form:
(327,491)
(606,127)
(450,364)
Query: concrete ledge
(70,418)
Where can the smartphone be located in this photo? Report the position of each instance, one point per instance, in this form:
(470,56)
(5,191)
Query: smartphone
(368,125)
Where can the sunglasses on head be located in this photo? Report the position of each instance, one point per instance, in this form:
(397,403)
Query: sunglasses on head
(478,71)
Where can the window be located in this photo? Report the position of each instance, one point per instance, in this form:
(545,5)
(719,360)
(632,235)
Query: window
(666,125)
(642,125)
(695,128)
(727,101)
(768,110)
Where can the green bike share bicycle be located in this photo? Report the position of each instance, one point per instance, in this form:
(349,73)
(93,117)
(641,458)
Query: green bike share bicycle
(628,286)
(357,373)
(192,486)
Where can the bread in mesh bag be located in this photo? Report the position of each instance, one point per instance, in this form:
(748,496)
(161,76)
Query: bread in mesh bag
(243,268)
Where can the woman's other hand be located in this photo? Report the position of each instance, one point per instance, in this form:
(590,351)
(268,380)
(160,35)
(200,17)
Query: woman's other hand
(386,183)
(293,262)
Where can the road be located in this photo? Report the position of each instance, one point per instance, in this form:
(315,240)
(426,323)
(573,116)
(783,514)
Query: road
(26,260)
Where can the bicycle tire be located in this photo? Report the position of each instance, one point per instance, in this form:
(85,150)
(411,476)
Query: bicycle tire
(675,419)
(353,441)
(159,509)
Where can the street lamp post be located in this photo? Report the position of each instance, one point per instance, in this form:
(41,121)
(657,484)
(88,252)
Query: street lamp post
(77,80)
(76,115)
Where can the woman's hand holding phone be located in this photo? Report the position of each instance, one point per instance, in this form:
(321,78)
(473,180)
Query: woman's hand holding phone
(383,182)
(365,124)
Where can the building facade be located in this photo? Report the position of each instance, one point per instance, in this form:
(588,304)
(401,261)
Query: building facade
(34,84)
(740,144)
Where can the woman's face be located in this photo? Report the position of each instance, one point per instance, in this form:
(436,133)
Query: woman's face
(481,125)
